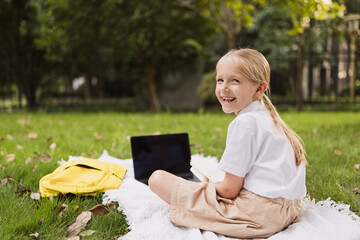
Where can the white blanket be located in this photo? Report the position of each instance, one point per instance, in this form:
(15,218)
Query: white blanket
(148,216)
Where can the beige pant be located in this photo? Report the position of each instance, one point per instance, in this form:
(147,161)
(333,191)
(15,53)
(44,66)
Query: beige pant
(247,216)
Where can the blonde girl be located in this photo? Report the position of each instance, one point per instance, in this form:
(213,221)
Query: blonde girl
(264,161)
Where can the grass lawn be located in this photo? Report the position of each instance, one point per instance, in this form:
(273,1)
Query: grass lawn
(331,141)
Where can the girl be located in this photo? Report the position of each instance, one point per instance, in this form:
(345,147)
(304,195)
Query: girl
(264,161)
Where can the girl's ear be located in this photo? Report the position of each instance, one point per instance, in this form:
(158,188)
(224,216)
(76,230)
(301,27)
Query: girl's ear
(260,90)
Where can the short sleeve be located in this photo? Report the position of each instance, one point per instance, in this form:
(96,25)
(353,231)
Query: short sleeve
(239,155)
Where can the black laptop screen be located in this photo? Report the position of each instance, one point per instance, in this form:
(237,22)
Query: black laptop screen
(170,152)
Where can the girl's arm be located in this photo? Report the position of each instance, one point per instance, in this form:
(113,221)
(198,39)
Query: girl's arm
(230,187)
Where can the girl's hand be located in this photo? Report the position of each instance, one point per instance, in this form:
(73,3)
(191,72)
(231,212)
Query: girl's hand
(205,181)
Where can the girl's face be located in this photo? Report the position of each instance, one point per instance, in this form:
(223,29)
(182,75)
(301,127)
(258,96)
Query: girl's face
(233,91)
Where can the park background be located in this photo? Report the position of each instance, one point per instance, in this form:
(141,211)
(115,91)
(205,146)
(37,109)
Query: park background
(79,77)
(153,55)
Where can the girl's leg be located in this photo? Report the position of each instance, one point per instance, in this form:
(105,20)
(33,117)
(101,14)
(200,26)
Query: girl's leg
(161,183)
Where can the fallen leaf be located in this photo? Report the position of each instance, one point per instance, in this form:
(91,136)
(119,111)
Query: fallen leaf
(76,207)
(10,137)
(97,136)
(49,139)
(357,166)
(73,238)
(356,191)
(32,135)
(2,139)
(23,122)
(62,209)
(99,210)
(156,133)
(52,146)
(3,182)
(80,223)
(10,157)
(2,166)
(34,235)
(23,191)
(35,196)
(337,152)
(34,168)
(128,138)
(44,157)
(30,160)
(112,206)
(19,147)
(87,233)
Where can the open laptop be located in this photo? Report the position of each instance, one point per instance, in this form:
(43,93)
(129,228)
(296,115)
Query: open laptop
(169,152)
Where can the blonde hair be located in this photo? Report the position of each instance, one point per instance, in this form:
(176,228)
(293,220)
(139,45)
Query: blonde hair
(254,66)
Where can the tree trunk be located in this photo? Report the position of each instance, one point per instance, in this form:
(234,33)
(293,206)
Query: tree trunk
(335,65)
(299,73)
(310,61)
(150,73)
(322,81)
(87,86)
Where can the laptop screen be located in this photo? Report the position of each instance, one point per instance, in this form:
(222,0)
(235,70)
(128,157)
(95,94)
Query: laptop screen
(170,152)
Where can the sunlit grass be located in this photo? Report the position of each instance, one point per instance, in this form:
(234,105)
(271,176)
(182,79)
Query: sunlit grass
(331,141)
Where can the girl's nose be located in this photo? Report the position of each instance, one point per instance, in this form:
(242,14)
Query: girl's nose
(225,87)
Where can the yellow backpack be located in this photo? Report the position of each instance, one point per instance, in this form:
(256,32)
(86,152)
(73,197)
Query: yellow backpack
(82,176)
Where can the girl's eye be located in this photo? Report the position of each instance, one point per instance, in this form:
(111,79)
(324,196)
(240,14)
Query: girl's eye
(219,80)
(235,81)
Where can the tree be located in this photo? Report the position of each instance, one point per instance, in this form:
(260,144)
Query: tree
(19,28)
(233,15)
(300,13)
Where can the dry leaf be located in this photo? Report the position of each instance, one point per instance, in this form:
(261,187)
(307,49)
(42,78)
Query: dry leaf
(99,210)
(23,122)
(3,182)
(62,209)
(52,146)
(49,139)
(44,157)
(128,138)
(34,235)
(30,159)
(32,135)
(112,206)
(10,157)
(76,207)
(2,139)
(97,136)
(34,168)
(73,238)
(2,166)
(19,147)
(23,191)
(357,166)
(356,191)
(80,223)
(337,152)
(35,196)
(156,133)
(10,137)
(87,233)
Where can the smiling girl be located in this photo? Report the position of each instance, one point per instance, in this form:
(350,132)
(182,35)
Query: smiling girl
(264,161)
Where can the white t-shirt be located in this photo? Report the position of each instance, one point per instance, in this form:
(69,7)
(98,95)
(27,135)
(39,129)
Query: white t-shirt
(260,152)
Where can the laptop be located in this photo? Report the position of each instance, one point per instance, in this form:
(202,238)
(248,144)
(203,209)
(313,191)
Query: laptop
(169,152)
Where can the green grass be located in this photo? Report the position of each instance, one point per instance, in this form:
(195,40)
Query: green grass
(328,174)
